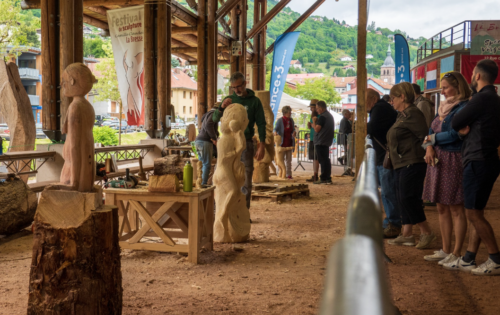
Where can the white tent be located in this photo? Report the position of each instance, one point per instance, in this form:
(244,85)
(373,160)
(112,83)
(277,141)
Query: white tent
(300,106)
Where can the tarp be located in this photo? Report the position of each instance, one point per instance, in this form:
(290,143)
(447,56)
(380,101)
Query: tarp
(402,59)
(301,106)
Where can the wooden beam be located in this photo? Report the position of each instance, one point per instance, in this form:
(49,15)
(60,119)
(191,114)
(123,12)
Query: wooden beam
(299,21)
(194,50)
(192,4)
(360,133)
(219,62)
(66,49)
(149,69)
(234,33)
(164,29)
(99,10)
(78,29)
(50,59)
(225,9)
(224,25)
(268,17)
(185,57)
(95,22)
(211,54)
(255,46)
(184,30)
(262,50)
(183,14)
(202,65)
(242,63)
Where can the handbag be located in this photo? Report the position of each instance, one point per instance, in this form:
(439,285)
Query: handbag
(387,158)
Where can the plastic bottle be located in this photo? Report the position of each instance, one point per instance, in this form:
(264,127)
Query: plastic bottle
(188,177)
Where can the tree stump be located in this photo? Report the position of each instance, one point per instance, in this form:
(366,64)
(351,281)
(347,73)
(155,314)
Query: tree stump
(75,267)
(18,206)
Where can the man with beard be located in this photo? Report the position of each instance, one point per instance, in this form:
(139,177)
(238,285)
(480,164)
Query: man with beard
(255,111)
(479,123)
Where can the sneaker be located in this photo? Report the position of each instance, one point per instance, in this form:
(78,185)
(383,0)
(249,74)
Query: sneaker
(489,268)
(391,231)
(437,256)
(450,258)
(341,160)
(460,264)
(401,240)
(319,182)
(312,179)
(426,240)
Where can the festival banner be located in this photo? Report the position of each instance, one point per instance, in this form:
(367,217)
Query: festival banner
(431,75)
(485,39)
(402,59)
(467,66)
(126,29)
(447,65)
(283,52)
(421,77)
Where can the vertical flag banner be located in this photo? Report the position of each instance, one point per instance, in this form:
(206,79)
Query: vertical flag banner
(283,52)
(402,59)
(431,76)
(447,65)
(126,29)
(421,77)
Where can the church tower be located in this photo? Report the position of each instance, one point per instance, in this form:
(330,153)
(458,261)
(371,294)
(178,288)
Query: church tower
(388,69)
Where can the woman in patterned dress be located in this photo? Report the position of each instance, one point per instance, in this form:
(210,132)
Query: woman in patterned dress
(443,181)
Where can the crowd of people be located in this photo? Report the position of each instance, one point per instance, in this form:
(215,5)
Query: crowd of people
(450,159)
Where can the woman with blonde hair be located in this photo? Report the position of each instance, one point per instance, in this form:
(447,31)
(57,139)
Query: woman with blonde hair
(443,181)
(404,141)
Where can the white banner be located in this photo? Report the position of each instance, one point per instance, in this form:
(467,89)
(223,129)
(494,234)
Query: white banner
(127,38)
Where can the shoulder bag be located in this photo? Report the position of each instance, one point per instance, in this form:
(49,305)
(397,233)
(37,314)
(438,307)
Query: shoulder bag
(387,159)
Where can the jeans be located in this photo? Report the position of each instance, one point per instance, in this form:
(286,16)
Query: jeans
(247,159)
(387,181)
(409,189)
(323,153)
(205,151)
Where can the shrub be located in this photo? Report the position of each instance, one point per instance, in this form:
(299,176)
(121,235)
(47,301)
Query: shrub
(105,135)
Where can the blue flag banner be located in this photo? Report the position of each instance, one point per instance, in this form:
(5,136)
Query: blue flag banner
(402,59)
(283,52)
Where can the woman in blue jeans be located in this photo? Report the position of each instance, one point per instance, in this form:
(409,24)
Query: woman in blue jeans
(205,142)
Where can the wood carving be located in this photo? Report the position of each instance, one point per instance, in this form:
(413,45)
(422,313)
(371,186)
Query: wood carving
(261,172)
(232,219)
(18,206)
(190,133)
(280,157)
(199,173)
(16,109)
(79,165)
(163,183)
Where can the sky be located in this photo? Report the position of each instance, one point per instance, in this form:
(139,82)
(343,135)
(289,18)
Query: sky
(417,18)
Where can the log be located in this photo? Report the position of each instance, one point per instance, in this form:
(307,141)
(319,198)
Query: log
(75,267)
(170,164)
(261,173)
(18,206)
(163,183)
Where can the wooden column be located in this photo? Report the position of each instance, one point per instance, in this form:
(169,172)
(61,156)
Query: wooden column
(360,131)
(164,65)
(66,47)
(256,46)
(242,64)
(149,70)
(234,34)
(50,61)
(202,63)
(262,50)
(78,31)
(211,54)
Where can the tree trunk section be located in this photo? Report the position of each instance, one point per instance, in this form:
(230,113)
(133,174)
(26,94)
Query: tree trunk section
(18,206)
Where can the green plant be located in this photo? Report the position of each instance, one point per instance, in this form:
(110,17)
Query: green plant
(105,136)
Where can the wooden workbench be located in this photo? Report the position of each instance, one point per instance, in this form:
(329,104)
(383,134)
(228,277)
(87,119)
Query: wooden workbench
(166,222)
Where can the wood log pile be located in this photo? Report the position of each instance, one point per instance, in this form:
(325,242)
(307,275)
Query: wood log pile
(18,206)
(170,164)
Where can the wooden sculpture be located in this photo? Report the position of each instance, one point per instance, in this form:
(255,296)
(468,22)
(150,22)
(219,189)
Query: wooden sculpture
(16,109)
(261,172)
(232,219)
(280,156)
(78,152)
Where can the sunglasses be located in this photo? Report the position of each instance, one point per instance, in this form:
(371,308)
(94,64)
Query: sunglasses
(238,86)
(449,75)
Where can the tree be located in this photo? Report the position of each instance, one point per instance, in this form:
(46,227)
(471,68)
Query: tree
(318,88)
(94,47)
(175,62)
(16,29)
(107,86)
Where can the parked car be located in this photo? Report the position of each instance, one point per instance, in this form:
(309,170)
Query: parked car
(109,123)
(39,132)
(178,124)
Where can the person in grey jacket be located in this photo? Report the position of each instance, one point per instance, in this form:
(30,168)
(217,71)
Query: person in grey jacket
(205,142)
(285,127)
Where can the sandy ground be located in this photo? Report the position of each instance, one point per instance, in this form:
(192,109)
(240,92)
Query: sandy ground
(279,271)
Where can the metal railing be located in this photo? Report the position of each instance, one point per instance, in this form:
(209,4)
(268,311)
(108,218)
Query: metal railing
(356,281)
(457,34)
(29,74)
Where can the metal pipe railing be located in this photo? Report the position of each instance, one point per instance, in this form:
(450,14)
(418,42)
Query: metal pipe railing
(356,282)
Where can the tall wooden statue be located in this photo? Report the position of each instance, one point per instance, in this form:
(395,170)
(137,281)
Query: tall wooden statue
(76,257)
(261,172)
(280,156)
(232,219)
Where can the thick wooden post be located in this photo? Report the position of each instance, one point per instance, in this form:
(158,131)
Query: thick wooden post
(242,64)
(211,54)
(149,70)
(66,47)
(234,34)
(202,63)
(164,65)
(50,68)
(360,131)
(256,46)
(78,31)
(262,49)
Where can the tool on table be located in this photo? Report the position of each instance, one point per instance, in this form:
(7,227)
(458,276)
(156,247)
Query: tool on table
(188,177)
(141,174)
(128,182)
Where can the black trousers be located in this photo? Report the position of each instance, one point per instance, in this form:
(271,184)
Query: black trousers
(409,189)
(323,154)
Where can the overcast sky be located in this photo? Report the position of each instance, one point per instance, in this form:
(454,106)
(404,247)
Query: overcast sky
(417,18)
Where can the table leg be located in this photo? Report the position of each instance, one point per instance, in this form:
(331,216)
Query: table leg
(210,222)
(194,231)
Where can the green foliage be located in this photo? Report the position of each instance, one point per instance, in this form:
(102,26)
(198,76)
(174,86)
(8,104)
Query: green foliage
(18,28)
(292,70)
(318,88)
(107,84)
(175,62)
(105,135)
(93,47)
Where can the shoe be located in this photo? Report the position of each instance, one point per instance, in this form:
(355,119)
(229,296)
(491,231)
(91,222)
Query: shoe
(489,268)
(460,264)
(426,240)
(401,240)
(341,160)
(391,231)
(325,182)
(437,256)
(312,179)
(450,258)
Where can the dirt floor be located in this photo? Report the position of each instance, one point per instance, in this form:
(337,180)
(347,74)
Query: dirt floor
(280,271)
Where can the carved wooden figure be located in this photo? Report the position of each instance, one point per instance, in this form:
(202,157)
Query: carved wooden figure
(280,156)
(79,166)
(261,172)
(232,219)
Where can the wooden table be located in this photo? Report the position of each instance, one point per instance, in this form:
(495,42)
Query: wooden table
(170,219)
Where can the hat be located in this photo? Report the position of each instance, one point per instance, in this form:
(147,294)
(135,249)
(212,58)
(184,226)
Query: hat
(313,102)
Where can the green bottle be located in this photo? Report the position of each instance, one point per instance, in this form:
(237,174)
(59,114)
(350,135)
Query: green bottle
(188,177)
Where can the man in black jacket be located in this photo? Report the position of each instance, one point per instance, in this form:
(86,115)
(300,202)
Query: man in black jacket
(382,117)
(479,123)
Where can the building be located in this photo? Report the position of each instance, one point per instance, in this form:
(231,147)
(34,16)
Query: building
(388,69)
(348,67)
(302,77)
(295,64)
(183,97)
(369,56)
(346,58)
(378,32)
(349,98)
